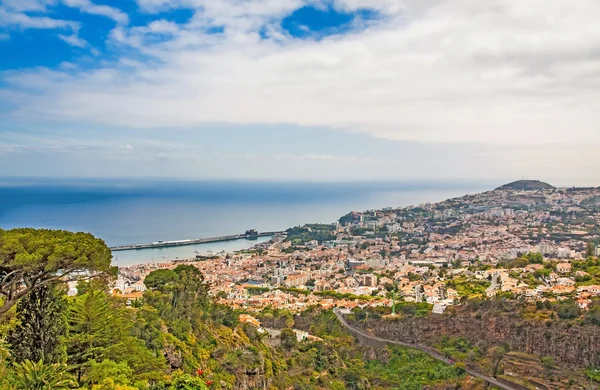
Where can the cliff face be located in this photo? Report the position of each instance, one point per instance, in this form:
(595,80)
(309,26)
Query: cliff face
(570,345)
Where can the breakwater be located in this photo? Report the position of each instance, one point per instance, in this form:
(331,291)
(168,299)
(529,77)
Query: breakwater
(165,244)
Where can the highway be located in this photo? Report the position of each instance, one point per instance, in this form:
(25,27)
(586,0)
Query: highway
(430,351)
(165,244)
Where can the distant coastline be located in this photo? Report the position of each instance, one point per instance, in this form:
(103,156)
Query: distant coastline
(122,212)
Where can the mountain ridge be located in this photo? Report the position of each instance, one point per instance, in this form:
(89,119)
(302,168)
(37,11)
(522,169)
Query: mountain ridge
(526,185)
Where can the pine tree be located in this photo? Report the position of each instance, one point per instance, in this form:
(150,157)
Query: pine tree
(95,330)
(42,324)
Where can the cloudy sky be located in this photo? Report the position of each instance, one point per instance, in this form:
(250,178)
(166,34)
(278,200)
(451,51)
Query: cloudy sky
(301,89)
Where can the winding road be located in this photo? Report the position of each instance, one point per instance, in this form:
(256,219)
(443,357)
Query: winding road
(431,352)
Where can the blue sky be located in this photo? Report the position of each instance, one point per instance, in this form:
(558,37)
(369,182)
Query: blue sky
(300,89)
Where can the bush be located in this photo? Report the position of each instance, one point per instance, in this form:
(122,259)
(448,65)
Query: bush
(548,362)
(568,311)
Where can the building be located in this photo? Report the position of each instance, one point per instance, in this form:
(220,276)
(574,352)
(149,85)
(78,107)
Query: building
(322,285)
(452,293)
(563,268)
(248,319)
(297,279)
(369,280)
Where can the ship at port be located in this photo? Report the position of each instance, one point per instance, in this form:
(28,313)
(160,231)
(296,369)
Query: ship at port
(251,234)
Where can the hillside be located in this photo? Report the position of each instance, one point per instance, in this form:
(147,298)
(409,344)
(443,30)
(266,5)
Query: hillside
(503,338)
(526,185)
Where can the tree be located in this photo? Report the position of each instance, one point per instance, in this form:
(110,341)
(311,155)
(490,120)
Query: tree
(534,257)
(568,311)
(42,324)
(160,279)
(109,384)
(119,373)
(39,376)
(187,297)
(98,330)
(95,328)
(589,250)
(496,353)
(187,382)
(288,339)
(32,258)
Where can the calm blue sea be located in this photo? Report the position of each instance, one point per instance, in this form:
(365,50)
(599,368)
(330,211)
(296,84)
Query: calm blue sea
(139,211)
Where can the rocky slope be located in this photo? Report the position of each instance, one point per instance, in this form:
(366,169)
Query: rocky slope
(570,344)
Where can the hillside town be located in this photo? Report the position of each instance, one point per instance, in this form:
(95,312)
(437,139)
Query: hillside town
(533,245)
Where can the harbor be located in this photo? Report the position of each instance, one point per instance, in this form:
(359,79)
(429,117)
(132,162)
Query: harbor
(248,235)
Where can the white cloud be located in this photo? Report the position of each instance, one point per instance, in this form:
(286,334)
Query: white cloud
(494,72)
(24,21)
(88,7)
(73,40)
(16,14)
(28,5)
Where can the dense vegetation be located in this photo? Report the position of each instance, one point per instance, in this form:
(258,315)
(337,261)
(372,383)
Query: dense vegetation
(303,234)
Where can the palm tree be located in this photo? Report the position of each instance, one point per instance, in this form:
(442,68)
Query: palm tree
(30,375)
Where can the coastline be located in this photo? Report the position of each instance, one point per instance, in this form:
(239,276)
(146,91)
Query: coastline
(127,258)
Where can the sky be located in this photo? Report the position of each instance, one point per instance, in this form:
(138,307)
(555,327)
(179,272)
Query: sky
(324,90)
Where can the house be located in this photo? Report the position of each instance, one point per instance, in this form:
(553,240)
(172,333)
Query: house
(451,293)
(248,319)
(593,289)
(584,304)
(563,268)
(131,297)
(565,282)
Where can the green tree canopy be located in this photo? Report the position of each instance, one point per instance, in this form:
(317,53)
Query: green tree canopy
(288,338)
(32,258)
(120,373)
(160,279)
(534,257)
(42,324)
(98,330)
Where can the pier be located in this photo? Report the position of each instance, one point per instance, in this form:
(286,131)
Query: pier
(164,244)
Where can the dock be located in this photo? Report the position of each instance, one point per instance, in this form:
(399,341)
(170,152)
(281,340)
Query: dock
(166,244)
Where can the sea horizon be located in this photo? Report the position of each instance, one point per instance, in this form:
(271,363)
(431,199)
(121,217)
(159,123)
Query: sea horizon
(124,212)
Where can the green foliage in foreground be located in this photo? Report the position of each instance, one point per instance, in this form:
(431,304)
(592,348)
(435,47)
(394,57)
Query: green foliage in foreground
(42,324)
(39,376)
(33,258)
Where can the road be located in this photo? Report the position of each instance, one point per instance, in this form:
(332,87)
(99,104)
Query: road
(431,352)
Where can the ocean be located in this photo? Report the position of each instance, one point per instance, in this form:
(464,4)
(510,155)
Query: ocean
(141,211)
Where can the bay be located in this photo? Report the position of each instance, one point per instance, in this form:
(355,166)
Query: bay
(141,211)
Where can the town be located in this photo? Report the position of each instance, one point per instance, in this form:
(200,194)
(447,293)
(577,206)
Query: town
(528,244)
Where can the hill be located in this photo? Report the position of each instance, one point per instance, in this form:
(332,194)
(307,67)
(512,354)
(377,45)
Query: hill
(526,185)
